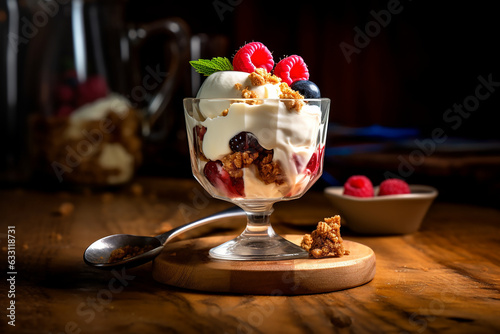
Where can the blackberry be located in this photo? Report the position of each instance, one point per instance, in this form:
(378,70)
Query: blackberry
(245,141)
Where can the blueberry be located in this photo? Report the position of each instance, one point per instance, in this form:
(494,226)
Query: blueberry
(306,88)
(245,141)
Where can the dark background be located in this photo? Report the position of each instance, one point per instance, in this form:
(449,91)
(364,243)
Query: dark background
(426,60)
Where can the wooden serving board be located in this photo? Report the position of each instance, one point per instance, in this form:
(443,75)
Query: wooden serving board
(186,264)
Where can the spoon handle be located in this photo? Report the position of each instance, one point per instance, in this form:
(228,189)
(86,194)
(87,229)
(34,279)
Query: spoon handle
(231,212)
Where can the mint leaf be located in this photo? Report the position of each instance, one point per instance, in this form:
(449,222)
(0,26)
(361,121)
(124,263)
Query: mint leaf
(207,67)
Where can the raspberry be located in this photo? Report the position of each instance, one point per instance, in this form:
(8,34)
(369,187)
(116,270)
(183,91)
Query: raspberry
(315,161)
(200,131)
(245,141)
(291,69)
(64,94)
(215,173)
(64,110)
(94,88)
(359,186)
(393,187)
(251,56)
(299,164)
(198,135)
(220,179)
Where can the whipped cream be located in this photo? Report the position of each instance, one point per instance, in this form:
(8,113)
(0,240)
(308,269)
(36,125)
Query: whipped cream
(222,85)
(95,111)
(114,156)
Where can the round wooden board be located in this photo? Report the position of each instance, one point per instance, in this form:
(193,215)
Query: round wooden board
(186,264)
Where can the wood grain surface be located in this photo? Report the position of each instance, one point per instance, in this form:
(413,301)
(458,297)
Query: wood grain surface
(443,279)
(186,264)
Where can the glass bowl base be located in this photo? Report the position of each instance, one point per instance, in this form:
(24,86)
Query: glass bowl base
(258,248)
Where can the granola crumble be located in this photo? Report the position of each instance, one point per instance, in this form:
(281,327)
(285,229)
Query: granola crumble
(65,209)
(325,241)
(288,93)
(269,171)
(248,94)
(261,77)
(245,94)
(233,163)
(127,252)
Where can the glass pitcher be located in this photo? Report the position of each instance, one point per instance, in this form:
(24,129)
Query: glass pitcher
(91,102)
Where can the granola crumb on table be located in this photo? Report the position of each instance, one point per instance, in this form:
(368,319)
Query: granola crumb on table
(325,241)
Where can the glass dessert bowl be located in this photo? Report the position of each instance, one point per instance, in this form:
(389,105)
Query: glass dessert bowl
(253,153)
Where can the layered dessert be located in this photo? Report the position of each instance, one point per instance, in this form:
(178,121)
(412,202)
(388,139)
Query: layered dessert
(93,136)
(256,132)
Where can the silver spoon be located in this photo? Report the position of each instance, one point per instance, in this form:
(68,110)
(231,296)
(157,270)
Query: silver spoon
(98,253)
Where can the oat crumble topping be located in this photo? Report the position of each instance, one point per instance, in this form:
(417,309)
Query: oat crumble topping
(248,94)
(288,93)
(261,77)
(325,241)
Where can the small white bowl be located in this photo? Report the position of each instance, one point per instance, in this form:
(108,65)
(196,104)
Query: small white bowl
(389,214)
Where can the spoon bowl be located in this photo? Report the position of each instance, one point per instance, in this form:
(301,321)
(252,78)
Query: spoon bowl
(98,253)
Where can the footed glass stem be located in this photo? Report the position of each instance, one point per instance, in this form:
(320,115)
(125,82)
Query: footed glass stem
(258,242)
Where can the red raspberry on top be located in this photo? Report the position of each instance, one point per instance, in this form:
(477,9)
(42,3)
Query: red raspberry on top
(291,69)
(359,186)
(251,56)
(393,187)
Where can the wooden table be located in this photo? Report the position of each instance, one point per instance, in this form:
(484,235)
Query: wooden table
(445,278)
